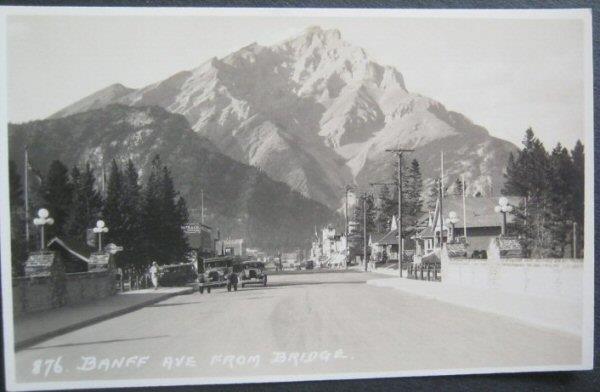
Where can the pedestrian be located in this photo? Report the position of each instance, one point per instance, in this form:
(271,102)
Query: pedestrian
(154,274)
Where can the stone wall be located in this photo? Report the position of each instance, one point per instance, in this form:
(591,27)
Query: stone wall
(34,294)
(549,278)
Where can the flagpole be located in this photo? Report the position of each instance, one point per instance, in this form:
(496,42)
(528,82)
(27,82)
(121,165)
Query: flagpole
(27,197)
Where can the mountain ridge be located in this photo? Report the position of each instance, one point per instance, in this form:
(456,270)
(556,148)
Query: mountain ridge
(239,199)
(316,112)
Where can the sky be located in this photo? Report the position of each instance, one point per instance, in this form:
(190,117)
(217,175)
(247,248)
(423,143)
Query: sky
(504,74)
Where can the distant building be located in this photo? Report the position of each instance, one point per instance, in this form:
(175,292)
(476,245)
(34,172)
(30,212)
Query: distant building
(200,238)
(233,247)
(482,224)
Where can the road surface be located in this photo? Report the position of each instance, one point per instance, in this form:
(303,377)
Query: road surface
(315,324)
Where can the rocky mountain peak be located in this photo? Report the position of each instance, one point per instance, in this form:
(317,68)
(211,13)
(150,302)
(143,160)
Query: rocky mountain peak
(317,112)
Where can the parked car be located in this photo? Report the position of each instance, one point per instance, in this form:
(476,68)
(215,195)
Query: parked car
(253,272)
(220,271)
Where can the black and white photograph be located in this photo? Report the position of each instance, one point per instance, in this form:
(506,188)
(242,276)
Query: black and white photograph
(246,195)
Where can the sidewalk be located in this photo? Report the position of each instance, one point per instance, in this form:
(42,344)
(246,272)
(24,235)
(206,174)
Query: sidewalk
(551,313)
(37,327)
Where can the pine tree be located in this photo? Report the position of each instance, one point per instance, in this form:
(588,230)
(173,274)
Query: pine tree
(384,207)
(577,192)
(559,201)
(172,212)
(527,175)
(152,215)
(132,237)
(458,187)
(113,211)
(412,197)
(86,204)
(57,193)
(17,221)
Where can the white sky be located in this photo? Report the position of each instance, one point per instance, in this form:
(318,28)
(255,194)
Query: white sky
(504,74)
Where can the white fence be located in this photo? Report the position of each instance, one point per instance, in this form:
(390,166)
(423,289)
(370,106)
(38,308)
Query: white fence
(549,278)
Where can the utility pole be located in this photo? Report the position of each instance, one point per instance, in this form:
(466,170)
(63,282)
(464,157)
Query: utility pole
(399,152)
(441,215)
(27,197)
(365,231)
(346,229)
(574,240)
(464,208)
(202,208)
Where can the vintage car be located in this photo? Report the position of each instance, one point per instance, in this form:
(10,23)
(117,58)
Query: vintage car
(253,272)
(218,272)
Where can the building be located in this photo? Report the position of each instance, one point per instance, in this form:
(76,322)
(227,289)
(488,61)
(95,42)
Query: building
(200,238)
(232,247)
(330,249)
(483,224)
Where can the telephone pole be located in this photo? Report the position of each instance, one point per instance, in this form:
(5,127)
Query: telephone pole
(365,231)
(399,152)
(346,229)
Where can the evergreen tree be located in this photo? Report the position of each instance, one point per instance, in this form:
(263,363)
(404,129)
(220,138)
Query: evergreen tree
(113,212)
(577,193)
(132,237)
(86,204)
(458,187)
(412,197)
(173,212)
(559,201)
(528,175)
(162,217)
(57,194)
(17,220)
(152,215)
(384,207)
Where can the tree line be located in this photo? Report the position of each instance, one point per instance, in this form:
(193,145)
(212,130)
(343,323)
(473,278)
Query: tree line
(382,207)
(144,217)
(552,187)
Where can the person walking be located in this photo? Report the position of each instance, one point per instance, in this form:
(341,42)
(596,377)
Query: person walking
(154,274)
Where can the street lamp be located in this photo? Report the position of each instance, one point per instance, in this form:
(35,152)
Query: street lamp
(100,228)
(503,207)
(453,219)
(42,220)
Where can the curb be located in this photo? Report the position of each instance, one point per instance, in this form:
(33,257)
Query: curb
(81,324)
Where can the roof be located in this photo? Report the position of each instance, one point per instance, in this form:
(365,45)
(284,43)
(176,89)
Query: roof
(479,211)
(391,238)
(376,237)
(79,252)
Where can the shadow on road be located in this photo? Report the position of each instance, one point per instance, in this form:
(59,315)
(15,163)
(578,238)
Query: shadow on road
(93,343)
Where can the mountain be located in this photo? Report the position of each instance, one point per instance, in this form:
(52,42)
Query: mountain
(318,113)
(239,199)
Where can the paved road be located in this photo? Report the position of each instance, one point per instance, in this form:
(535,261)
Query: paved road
(299,324)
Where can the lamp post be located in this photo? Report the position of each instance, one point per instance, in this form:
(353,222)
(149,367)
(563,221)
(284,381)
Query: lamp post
(99,229)
(453,219)
(42,220)
(502,208)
